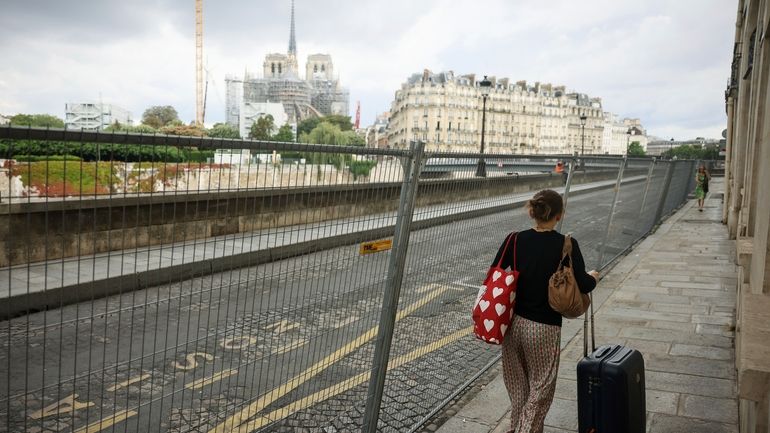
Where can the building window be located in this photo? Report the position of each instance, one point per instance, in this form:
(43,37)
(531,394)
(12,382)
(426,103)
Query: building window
(273,68)
(280,68)
(750,63)
(315,68)
(438,125)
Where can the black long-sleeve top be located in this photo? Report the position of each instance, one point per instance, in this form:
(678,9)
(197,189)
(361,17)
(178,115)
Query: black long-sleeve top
(537,258)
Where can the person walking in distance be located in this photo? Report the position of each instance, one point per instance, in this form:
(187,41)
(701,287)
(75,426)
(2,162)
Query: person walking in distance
(531,346)
(560,169)
(702,179)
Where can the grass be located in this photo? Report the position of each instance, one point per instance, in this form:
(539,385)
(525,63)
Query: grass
(67,178)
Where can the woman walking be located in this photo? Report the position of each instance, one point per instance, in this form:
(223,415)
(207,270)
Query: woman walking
(531,346)
(702,179)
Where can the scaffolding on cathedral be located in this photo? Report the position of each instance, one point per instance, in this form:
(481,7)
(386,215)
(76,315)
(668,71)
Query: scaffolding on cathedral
(319,94)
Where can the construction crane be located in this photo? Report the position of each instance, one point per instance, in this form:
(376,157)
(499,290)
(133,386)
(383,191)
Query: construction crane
(199,97)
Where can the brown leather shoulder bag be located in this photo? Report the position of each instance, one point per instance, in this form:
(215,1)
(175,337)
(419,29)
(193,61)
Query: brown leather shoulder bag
(564,296)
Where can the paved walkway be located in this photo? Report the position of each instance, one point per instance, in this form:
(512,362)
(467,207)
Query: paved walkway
(673,298)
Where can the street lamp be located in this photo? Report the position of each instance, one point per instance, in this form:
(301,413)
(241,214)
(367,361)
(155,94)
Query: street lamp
(629,133)
(671,148)
(583,119)
(481,168)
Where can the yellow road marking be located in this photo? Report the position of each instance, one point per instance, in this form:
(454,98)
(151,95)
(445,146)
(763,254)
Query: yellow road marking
(345,322)
(244,414)
(68,404)
(282,326)
(130,381)
(289,347)
(238,343)
(347,384)
(200,383)
(190,362)
(107,422)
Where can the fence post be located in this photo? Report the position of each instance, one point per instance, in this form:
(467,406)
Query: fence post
(612,210)
(572,168)
(664,193)
(691,183)
(647,189)
(393,286)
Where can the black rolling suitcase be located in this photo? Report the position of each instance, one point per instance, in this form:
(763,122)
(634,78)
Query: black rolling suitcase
(610,389)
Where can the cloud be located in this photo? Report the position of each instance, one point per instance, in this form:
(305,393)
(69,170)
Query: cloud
(664,62)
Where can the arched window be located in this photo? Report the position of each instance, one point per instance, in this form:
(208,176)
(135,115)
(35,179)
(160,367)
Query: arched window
(315,68)
(273,68)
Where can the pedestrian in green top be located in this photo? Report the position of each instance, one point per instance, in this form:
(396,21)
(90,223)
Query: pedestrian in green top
(702,178)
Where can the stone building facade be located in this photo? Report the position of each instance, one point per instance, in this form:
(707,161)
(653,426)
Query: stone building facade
(620,132)
(445,110)
(747,208)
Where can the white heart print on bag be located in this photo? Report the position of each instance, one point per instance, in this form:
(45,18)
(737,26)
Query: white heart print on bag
(484,305)
(489,324)
(500,309)
(496,275)
(497,292)
(509,280)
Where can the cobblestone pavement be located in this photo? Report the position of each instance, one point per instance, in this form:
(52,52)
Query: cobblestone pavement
(288,344)
(672,298)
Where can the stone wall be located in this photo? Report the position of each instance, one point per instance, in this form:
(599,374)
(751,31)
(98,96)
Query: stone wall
(36,231)
(747,209)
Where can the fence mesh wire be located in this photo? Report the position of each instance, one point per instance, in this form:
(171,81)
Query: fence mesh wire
(147,288)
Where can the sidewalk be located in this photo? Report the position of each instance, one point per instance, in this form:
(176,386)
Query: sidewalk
(672,298)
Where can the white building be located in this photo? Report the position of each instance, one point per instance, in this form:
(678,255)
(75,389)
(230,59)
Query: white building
(4,120)
(250,112)
(446,111)
(90,116)
(232,156)
(619,133)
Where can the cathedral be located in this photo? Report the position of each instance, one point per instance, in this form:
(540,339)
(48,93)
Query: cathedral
(282,93)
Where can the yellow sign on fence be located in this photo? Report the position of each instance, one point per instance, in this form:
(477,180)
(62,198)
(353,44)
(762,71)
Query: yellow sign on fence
(376,246)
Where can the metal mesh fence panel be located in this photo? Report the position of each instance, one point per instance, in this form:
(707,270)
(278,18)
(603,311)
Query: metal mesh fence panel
(680,184)
(189,296)
(164,283)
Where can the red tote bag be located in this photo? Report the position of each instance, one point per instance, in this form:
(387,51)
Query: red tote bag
(493,309)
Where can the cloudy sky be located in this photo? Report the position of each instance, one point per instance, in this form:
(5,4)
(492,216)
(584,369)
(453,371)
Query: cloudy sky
(664,61)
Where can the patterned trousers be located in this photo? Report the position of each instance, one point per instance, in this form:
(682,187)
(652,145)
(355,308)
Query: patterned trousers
(530,364)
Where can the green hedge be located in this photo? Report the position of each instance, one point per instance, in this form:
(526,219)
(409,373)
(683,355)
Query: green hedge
(102,152)
(35,158)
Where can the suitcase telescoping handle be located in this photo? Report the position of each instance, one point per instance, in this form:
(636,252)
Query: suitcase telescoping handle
(585,329)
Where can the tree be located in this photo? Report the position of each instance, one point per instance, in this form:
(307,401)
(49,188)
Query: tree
(186,130)
(262,129)
(136,129)
(342,121)
(159,116)
(354,139)
(37,120)
(307,125)
(223,130)
(326,133)
(284,134)
(635,149)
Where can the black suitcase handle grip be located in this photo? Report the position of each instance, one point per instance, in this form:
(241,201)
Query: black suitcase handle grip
(585,329)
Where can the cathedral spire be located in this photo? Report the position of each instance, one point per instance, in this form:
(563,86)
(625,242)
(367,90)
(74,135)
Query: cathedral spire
(292,36)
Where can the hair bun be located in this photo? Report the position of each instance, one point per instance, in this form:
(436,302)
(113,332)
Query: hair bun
(545,205)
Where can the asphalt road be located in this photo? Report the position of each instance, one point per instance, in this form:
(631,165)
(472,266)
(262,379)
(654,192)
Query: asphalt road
(280,347)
